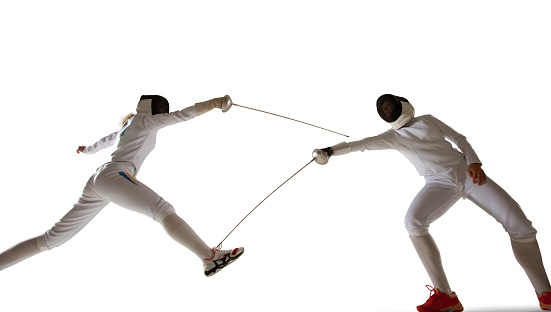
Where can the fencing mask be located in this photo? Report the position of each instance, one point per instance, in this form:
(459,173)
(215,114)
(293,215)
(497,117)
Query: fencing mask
(152,105)
(395,110)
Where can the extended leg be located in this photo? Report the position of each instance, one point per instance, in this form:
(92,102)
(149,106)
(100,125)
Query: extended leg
(500,205)
(87,207)
(121,188)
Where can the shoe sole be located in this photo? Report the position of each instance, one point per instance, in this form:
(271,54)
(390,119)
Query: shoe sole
(455,308)
(217,269)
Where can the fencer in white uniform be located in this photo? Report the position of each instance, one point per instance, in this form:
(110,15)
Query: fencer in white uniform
(116,182)
(450,175)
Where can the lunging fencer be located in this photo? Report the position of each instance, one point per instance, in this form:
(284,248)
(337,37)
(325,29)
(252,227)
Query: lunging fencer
(450,175)
(116,182)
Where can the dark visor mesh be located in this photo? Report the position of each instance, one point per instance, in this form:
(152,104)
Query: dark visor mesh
(159,105)
(389,107)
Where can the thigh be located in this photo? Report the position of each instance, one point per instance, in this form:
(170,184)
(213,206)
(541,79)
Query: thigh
(435,198)
(87,207)
(121,188)
(499,204)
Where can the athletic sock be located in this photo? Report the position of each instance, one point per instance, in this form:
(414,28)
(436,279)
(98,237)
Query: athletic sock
(19,253)
(181,232)
(430,256)
(528,256)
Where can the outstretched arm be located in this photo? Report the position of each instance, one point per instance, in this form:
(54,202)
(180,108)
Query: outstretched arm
(99,145)
(159,121)
(382,141)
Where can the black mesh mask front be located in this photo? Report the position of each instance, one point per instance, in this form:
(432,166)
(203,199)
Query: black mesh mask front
(159,105)
(389,107)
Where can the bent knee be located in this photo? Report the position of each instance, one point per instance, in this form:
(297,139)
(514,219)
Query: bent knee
(42,242)
(415,226)
(526,235)
(417,232)
(51,239)
(521,230)
(162,212)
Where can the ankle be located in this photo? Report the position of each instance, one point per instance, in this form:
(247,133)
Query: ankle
(211,257)
(543,292)
(445,291)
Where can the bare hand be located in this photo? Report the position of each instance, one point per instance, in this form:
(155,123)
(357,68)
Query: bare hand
(80,149)
(476,172)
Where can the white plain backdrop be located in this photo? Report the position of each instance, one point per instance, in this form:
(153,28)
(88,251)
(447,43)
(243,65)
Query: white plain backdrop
(331,239)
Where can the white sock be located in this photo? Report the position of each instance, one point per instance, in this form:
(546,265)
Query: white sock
(528,256)
(430,256)
(181,232)
(19,253)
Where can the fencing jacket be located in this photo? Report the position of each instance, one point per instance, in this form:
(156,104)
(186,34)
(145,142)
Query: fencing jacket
(137,137)
(423,142)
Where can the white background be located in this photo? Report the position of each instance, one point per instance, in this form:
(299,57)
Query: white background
(332,239)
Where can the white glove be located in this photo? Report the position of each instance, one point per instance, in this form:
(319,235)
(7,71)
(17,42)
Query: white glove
(321,156)
(207,106)
(340,149)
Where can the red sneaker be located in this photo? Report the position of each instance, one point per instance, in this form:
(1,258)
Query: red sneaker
(440,302)
(545,300)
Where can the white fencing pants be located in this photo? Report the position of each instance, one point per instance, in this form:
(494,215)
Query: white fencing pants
(439,194)
(113,182)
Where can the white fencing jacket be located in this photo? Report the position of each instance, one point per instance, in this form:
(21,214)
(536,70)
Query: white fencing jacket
(137,137)
(423,142)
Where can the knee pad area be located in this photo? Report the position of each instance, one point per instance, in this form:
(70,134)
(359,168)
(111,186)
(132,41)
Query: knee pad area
(52,239)
(41,242)
(526,239)
(161,214)
(521,232)
(418,232)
